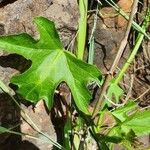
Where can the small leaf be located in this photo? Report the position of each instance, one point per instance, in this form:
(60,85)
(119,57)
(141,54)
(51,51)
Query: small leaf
(114,91)
(121,112)
(51,65)
(138,122)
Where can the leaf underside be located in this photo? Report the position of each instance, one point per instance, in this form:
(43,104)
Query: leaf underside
(51,65)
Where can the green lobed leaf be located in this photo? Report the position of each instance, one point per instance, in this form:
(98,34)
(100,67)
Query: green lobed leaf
(132,124)
(121,113)
(138,122)
(51,65)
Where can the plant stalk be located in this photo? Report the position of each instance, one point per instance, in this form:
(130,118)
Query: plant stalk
(81,39)
(135,49)
(117,59)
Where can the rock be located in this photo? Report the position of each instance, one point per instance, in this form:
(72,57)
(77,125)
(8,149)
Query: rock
(20,18)
(107,40)
(16,16)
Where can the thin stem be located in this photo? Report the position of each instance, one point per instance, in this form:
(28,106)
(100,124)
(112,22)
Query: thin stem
(34,125)
(91,40)
(28,136)
(121,12)
(142,94)
(115,63)
(6,90)
(124,41)
(135,49)
(81,39)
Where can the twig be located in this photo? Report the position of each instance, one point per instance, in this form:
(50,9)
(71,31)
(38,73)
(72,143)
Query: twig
(130,89)
(33,125)
(137,44)
(147,107)
(110,101)
(121,12)
(115,63)
(99,2)
(142,94)
(72,41)
(124,41)
(29,121)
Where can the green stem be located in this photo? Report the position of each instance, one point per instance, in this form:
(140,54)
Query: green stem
(91,40)
(135,49)
(81,39)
